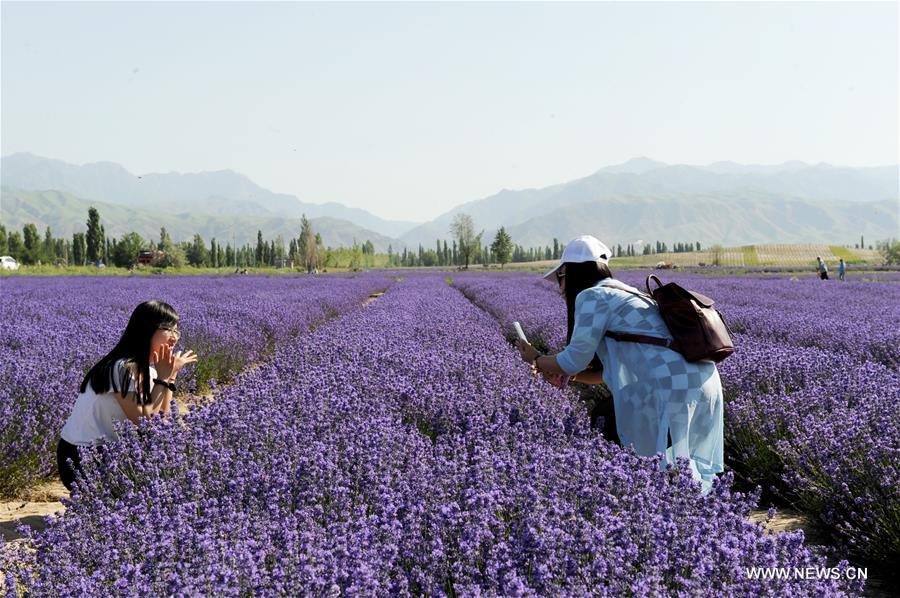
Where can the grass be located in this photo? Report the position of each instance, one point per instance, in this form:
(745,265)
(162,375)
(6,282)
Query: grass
(842,252)
(750,257)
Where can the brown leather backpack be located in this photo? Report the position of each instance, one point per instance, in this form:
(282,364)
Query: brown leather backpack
(698,329)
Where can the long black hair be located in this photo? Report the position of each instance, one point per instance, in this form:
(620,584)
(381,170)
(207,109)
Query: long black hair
(581,276)
(134,349)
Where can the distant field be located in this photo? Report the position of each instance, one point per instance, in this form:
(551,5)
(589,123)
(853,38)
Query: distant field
(747,256)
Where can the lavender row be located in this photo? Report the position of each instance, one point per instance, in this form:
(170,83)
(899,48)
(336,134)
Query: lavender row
(54,329)
(813,391)
(403,449)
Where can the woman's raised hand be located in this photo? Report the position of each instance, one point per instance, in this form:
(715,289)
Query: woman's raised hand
(168,362)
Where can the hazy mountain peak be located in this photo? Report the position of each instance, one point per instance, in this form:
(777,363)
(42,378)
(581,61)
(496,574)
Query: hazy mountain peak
(638,165)
(201,192)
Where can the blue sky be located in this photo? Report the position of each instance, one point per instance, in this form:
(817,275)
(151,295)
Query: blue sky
(408,109)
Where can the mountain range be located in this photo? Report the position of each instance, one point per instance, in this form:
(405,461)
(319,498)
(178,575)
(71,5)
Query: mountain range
(723,202)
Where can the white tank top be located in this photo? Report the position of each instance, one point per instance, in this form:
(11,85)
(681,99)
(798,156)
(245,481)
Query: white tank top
(94,416)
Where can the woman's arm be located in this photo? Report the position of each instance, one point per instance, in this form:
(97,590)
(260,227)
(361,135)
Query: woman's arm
(549,365)
(591,319)
(160,400)
(588,377)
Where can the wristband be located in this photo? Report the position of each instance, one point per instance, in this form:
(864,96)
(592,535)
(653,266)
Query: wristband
(169,385)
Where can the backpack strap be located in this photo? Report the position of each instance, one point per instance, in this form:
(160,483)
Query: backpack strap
(639,338)
(636,293)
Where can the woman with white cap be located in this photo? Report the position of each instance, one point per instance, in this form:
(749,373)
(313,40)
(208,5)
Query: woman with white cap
(663,403)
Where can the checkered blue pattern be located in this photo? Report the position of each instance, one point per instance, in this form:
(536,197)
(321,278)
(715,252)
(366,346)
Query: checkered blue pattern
(657,393)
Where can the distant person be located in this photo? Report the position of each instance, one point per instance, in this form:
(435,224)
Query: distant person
(821,268)
(663,403)
(124,385)
(842,269)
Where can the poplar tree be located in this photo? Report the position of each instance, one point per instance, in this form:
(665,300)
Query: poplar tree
(94,239)
(32,244)
(260,248)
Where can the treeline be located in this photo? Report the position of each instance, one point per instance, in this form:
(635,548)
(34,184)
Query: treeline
(95,247)
(448,254)
(306,251)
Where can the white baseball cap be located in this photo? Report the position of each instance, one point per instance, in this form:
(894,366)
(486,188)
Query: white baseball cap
(582,249)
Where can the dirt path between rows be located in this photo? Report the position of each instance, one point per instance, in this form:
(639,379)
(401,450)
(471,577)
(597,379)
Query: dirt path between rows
(372,298)
(31,508)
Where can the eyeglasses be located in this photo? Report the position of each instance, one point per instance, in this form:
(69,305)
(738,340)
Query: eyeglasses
(172,331)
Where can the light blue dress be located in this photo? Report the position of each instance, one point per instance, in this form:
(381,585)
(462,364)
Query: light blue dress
(656,392)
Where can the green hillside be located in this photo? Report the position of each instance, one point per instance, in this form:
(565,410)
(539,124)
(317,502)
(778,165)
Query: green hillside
(66,214)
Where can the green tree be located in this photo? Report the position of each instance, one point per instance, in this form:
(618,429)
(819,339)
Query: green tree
(94,238)
(79,249)
(890,250)
(15,246)
(307,245)
(32,252)
(48,249)
(260,247)
(502,246)
(214,253)
(196,253)
(164,239)
(4,244)
(127,249)
(463,230)
(355,256)
(170,256)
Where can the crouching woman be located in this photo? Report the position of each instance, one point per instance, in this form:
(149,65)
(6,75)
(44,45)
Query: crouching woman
(663,403)
(124,385)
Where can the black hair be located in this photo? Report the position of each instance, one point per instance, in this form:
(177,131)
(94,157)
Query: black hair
(581,276)
(134,349)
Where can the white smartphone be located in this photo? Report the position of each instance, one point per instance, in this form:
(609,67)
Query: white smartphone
(519,332)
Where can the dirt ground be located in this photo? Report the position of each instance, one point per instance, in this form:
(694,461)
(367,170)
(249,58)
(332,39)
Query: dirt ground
(31,508)
(786,520)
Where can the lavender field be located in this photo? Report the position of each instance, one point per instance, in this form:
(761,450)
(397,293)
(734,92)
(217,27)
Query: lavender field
(55,329)
(402,447)
(812,392)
